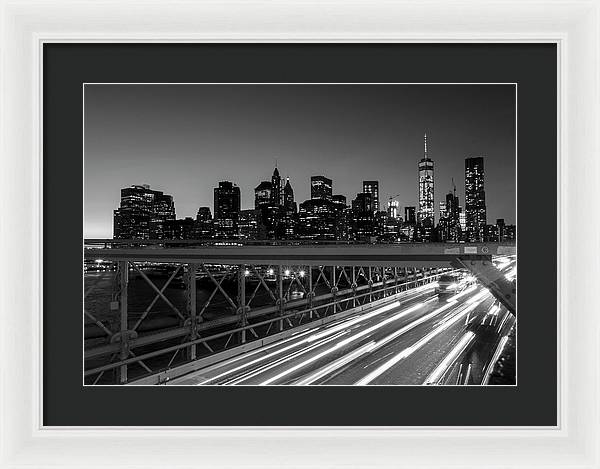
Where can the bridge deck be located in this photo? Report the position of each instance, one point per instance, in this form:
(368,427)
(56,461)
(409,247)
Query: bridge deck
(409,254)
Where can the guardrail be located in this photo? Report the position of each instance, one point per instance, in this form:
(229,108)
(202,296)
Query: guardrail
(325,291)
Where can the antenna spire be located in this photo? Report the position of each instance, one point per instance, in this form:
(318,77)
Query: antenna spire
(425,140)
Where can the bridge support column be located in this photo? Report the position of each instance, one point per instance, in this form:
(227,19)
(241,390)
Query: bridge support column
(354,286)
(311,293)
(333,288)
(370,284)
(280,293)
(494,280)
(241,300)
(190,286)
(123,280)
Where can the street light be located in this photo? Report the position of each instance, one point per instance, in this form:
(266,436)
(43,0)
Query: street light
(301,273)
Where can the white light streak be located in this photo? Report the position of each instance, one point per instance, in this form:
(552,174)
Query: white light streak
(459,348)
(416,346)
(342,344)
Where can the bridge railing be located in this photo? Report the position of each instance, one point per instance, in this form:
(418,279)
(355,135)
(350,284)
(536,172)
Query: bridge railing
(320,291)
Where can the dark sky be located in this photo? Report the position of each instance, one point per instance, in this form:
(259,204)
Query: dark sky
(184,139)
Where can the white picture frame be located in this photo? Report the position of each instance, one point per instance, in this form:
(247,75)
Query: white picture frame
(573,25)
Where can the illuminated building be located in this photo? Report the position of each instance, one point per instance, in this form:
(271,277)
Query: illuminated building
(449,224)
(475,208)
(289,211)
(262,195)
(227,209)
(393,207)
(410,215)
(276,189)
(142,213)
(180,229)
(248,224)
(316,219)
(321,188)
(204,224)
(426,216)
(372,187)
(363,220)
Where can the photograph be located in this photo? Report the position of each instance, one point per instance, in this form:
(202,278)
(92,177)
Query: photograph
(290,234)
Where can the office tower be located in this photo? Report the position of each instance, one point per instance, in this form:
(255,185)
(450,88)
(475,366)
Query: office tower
(248,224)
(475,209)
(363,221)
(372,187)
(180,229)
(227,209)
(501,229)
(289,212)
(288,197)
(410,215)
(321,187)
(317,220)
(262,195)
(276,189)
(203,214)
(449,225)
(426,205)
(142,213)
(393,208)
(339,201)
(463,220)
(203,228)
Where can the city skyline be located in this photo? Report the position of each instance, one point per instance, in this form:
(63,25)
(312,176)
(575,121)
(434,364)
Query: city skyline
(398,173)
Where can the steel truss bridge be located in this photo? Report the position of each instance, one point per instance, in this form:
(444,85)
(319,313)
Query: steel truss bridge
(264,291)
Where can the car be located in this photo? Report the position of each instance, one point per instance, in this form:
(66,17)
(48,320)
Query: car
(449,284)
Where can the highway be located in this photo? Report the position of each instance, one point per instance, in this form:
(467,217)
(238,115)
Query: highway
(420,338)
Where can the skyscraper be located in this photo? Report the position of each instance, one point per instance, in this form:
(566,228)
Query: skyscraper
(426,203)
(321,187)
(288,197)
(143,213)
(363,219)
(204,223)
(449,225)
(227,209)
(372,187)
(393,207)
(290,210)
(276,188)
(475,210)
(262,195)
(410,215)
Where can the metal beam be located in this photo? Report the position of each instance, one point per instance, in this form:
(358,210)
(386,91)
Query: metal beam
(388,255)
(494,280)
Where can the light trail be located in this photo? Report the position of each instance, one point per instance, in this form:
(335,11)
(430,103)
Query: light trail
(471,289)
(413,348)
(340,362)
(311,338)
(445,364)
(492,363)
(343,343)
(376,345)
(298,353)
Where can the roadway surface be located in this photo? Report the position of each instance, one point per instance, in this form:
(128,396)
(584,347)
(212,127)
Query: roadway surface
(421,338)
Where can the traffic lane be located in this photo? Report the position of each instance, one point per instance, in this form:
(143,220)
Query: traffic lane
(353,340)
(418,366)
(470,366)
(421,360)
(316,368)
(303,339)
